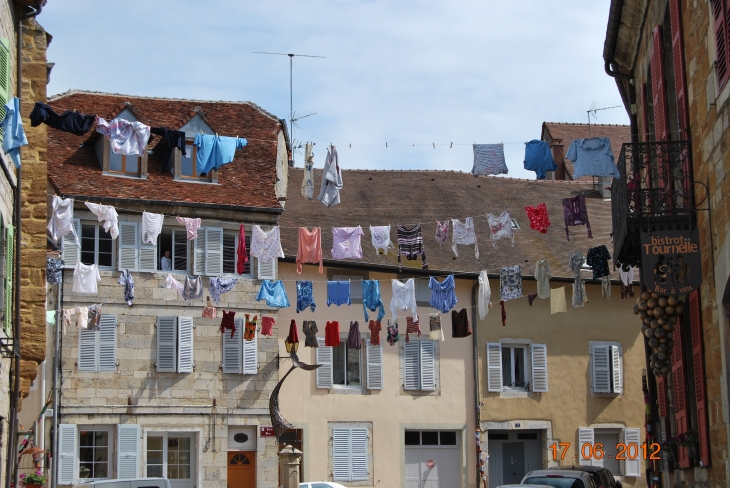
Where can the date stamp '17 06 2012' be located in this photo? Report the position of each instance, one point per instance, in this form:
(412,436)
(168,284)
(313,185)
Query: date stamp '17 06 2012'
(596,451)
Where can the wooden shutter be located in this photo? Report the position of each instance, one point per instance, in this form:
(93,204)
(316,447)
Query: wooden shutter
(617,371)
(108,343)
(148,257)
(661,386)
(166,344)
(233,349)
(250,355)
(680,81)
(180,250)
(720,14)
(4,78)
(185,334)
(266,271)
(494,366)
(128,250)
(428,365)
(585,436)
(411,365)
(71,252)
(67,434)
(698,362)
(8,285)
(127,451)
(213,251)
(341,454)
(679,387)
(632,467)
(323,356)
(359,454)
(658,91)
(601,369)
(199,252)
(539,368)
(88,350)
(375,366)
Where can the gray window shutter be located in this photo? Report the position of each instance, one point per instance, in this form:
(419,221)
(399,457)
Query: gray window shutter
(148,257)
(127,242)
(632,467)
(71,253)
(428,365)
(494,366)
(411,365)
(323,356)
(375,366)
(585,436)
(67,454)
(267,271)
(601,369)
(5,70)
(166,344)
(180,250)
(199,252)
(185,359)
(128,451)
(341,458)
(359,454)
(108,343)
(213,251)
(250,354)
(88,357)
(539,368)
(617,370)
(232,349)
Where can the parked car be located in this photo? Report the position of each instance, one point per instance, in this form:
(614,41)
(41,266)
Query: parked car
(559,478)
(601,476)
(523,486)
(127,483)
(321,484)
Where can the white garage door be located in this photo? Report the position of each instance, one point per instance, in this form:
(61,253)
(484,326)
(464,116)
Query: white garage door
(432,459)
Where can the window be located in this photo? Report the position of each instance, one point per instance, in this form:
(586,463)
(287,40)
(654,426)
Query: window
(216,254)
(342,367)
(188,168)
(606,368)
(170,455)
(5,71)
(721,19)
(119,164)
(94,451)
(98,348)
(611,438)
(96,245)
(175,344)
(175,242)
(239,355)
(122,164)
(350,454)
(514,367)
(134,254)
(419,368)
(430,438)
(423,292)
(8,264)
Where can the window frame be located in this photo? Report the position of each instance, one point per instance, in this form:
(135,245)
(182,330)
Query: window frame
(104,152)
(111,450)
(97,226)
(85,335)
(343,344)
(124,171)
(350,452)
(210,178)
(612,348)
(436,358)
(526,370)
(253,263)
(193,436)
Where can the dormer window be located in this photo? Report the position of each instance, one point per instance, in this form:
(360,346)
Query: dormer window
(126,165)
(184,167)
(188,168)
(119,164)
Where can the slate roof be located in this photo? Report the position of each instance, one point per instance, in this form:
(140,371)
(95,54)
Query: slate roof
(371,197)
(248,181)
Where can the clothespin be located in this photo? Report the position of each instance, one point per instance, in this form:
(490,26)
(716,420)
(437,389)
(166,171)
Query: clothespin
(451,146)
(434,145)
(386,145)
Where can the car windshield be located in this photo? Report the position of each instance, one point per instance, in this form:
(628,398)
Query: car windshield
(555,482)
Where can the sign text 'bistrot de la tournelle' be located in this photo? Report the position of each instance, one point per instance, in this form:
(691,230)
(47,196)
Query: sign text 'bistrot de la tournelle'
(670,261)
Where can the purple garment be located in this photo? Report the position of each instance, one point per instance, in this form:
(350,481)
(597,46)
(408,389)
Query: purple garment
(576,213)
(346,242)
(353,338)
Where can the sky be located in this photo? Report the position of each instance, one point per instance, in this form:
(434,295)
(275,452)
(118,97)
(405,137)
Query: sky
(397,72)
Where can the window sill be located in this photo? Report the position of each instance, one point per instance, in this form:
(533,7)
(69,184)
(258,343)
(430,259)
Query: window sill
(119,175)
(515,394)
(193,180)
(404,392)
(349,390)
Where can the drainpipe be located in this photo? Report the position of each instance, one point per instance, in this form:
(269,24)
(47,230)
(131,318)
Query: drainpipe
(56,382)
(475,345)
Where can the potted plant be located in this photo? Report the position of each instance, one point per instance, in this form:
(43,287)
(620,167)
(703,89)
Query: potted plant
(670,446)
(33,480)
(691,441)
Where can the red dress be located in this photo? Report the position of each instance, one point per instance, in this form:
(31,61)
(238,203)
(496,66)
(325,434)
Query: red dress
(332,334)
(538,217)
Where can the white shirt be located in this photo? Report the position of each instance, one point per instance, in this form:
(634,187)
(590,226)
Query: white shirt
(86,279)
(62,220)
(404,298)
(108,214)
(265,246)
(125,137)
(485,294)
(165,263)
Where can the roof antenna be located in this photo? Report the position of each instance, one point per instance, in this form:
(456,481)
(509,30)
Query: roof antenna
(592,111)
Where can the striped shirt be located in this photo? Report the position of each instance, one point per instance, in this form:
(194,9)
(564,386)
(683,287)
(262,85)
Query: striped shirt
(412,327)
(410,245)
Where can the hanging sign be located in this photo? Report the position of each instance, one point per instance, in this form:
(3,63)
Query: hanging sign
(267,431)
(670,261)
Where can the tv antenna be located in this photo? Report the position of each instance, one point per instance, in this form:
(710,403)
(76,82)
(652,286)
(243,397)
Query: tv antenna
(592,111)
(292,119)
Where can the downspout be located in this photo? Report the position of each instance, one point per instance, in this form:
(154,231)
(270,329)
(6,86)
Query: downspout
(475,345)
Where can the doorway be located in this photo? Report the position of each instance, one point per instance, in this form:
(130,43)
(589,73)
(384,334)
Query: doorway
(241,469)
(513,454)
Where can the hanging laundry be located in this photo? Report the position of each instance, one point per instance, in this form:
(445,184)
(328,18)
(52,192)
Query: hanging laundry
(228,322)
(173,139)
(54,271)
(580,290)
(94,317)
(310,333)
(14,134)
(371,298)
(128,138)
(214,151)
(542,277)
(332,334)
(531,298)
(557,300)
(510,283)
(443,295)
(67,313)
(353,337)
(191,226)
(442,232)
(380,236)
(404,297)
(171,282)
(71,121)
(626,273)
(310,248)
(375,328)
(598,260)
(51,317)
(249,331)
(575,263)
(192,288)
(346,242)
(267,324)
(86,279)
(592,157)
(489,160)
(576,213)
(338,293)
(273,293)
(304,296)
(538,216)
(501,227)
(266,246)
(412,327)
(329,192)
(464,234)
(484,294)
(538,158)
(127,281)
(151,227)
(392,332)
(108,214)
(410,245)
(209,311)
(82,317)
(62,220)
(218,286)
(434,322)
(241,253)
(504,313)
(606,287)
(308,181)
(460,326)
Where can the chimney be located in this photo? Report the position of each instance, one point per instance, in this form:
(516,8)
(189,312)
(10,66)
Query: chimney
(557,149)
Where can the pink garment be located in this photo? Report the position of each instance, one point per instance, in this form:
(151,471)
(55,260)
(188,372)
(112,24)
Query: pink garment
(442,232)
(266,325)
(346,242)
(191,225)
(310,248)
(210,312)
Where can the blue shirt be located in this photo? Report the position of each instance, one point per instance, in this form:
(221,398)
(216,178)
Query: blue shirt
(371,298)
(338,293)
(273,293)
(215,151)
(14,133)
(538,158)
(592,157)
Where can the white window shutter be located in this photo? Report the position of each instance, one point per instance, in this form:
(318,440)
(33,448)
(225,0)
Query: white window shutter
(267,271)
(199,253)
(71,253)
(323,356)
(375,366)
(539,368)
(428,365)
(601,369)
(632,467)
(250,354)
(185,334)
(127,451)
(148,257)
(232,349)
(128,250)
(494,366)
(166,344)
(341,454)
(108,343)
(359,454)
(585,436)
(617,371)
(411,365)
(88,350)
(213,251)
(67,462)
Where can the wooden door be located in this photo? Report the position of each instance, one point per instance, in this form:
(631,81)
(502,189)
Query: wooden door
(241,469)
